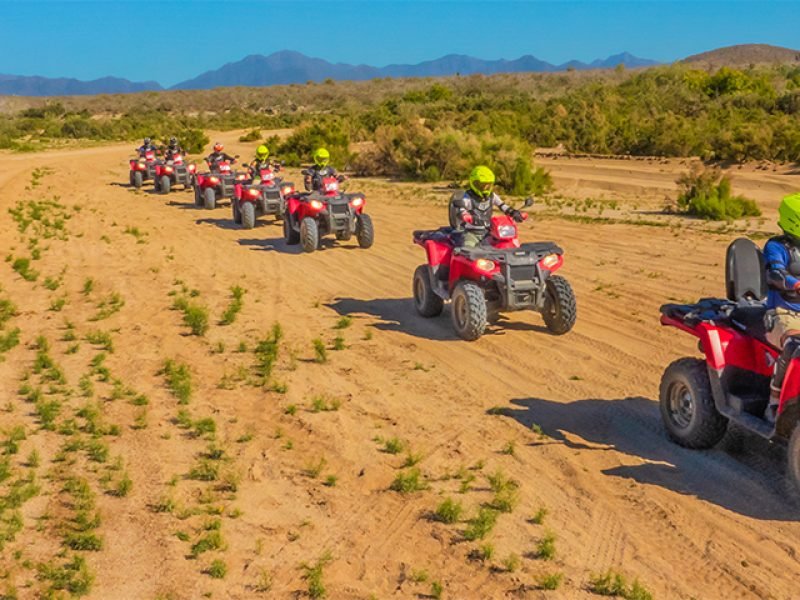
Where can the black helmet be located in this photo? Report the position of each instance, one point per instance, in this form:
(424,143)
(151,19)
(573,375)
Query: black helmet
(173,141)
(147,141)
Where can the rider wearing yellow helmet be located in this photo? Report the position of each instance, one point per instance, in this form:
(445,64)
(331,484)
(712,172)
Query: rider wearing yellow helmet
(262,162)
(314,175)
(474,206)
(782,258)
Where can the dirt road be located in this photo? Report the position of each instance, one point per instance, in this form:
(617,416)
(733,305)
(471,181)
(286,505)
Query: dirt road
(304,473)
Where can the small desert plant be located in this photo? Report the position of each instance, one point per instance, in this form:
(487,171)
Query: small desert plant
(321,404)
(101,339)
(330,481)
(449,511)
(550,581)
(707,194)
(179,380)
(546,547)
(509,448)
(108,306)
(479,526)
(408,481)
(539,517)
(344,322)
(482,553)
(210,541)
(437,590)
(229,316)
(313,576)
(23,267)
(320,352)
(266,352)
(218,569)
(123,487)
(338,343)
(612,583)
(393,446)
(511,563)
(195,317)
(314,469)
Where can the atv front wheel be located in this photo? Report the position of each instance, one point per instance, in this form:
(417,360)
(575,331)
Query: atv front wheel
(237,216)
(137,180)
(210,198)
(289,234)
(198,198)
(468,310)
(559,310)
(309,234)
(427,303)
(248,215)
(793,464)
(365,232)
(687,405)
(165,184)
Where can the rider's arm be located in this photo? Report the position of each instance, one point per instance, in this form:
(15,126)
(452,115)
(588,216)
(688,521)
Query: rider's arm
(498,202)
(778,277)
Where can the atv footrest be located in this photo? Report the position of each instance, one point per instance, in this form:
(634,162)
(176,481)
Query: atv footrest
(752,423)
(750,404)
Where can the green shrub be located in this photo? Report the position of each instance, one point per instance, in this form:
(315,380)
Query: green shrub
(251,136)
(449,511)
(196,318)
(706,193)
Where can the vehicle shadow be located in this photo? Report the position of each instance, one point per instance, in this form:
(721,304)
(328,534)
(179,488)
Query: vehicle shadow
(271,245)
(229,224)
(397,314)
(744,473)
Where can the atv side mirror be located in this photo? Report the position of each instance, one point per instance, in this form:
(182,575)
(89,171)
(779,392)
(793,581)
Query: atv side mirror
(528,202)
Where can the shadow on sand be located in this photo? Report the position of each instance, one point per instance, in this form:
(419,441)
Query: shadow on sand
(744,473)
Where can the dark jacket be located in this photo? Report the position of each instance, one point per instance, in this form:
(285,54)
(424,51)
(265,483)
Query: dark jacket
(313,177)
(480,209)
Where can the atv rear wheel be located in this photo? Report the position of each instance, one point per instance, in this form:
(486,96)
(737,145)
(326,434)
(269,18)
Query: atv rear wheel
(687,405)
(427,303)
(289,234)
(468,310)
(165,184)
(210,198)
(248,215)
(309,234)
(559,310)
(137,180)
(365,232)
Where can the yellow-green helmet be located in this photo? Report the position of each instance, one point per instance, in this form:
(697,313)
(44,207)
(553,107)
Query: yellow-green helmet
(262,152)
(789,215)
(322,157)
(481,180)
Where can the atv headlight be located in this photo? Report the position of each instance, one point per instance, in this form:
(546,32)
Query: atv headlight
(287,189)
(357,202)
(506,232)
(484,264)
(214,180)
(241,177)
(316,205)
(192,168)
(168,169)
(550,260)
(255,193)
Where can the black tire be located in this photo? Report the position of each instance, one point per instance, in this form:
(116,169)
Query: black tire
(131,178)
(468,310)
(198,198)
(687,405)
(365,232)
(559,311)
(309,234)
(248,215)
(237,216)
(210,199)
(137,179)
(793,459)
(427,303)
(289,234)
(166,183)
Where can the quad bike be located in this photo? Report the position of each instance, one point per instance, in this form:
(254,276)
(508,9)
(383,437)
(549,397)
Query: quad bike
(170,173)
(218,183)
(142,168)
(498,276)
(698,397)
(310,216)
(265,195)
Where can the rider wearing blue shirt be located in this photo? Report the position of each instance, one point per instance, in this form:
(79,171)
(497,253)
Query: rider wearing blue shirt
(782,257)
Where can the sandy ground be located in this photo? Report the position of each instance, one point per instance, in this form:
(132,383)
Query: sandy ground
(618,494)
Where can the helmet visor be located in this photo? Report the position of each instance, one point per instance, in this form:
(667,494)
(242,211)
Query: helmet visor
(484,187)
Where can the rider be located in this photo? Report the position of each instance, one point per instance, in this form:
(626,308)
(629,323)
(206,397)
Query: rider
(218,156)
(262,162)
(474,207)
(782,257)
(173,149)
(321,169)
(147,146)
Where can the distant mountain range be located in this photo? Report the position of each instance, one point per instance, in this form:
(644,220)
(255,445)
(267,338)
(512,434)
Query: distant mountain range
(19,85)
(292,67)
(287,67)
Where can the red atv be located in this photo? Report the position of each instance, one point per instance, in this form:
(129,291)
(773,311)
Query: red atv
(310,216)
(499,275)
(265,195)
(699,397)
(218,183)
(143,168)
(169,173)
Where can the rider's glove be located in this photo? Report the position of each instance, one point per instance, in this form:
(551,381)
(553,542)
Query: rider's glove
(467,218)
(518,216)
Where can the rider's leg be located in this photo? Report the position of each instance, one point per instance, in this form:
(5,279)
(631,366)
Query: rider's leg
(785,334)
(471,240)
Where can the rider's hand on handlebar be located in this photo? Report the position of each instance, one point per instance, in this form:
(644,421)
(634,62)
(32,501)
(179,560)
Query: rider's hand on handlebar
(467,218)
(519,217)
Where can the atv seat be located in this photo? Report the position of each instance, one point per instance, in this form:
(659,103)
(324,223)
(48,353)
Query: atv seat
(746,285)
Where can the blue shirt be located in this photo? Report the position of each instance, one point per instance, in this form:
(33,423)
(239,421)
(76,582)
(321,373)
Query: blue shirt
(777,258)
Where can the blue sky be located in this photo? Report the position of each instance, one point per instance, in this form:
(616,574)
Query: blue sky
(136,40)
